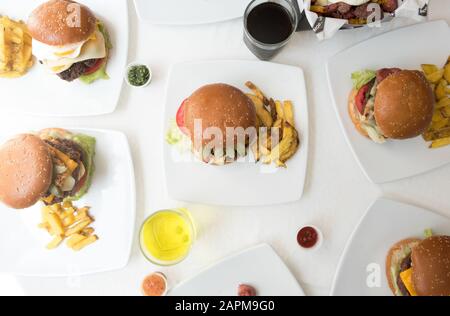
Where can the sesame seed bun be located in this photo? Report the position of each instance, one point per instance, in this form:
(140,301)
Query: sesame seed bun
(61,22)
(404,105)
(26,171)
(354,114)
(221,106)
(431,267)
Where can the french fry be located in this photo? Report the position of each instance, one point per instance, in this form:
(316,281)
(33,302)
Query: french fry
(441,88)
(255,151)
(67,204)
(447,72)
(273,110)
(81,215)
(55,224)
(56,208)
(280,110)
(261,112)
(318,9)
(289,113)
(88,231)
(55,242)
(258,92)
(441,124)
(440,143)
(445,111)
(435,77)
(85,242)
(68,220)
(443,103)
(74,239)
(437,116)
(428,69)
(78,227)
(286,155)
(283,146)
(438,134)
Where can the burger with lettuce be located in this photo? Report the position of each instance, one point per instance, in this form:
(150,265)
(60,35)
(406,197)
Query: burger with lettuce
(418,267)
(53,165)
(70,41)
(390,103)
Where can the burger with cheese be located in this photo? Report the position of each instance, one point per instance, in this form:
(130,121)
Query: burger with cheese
(70,41)
(53,166)
(390,104)
(417,267)
(220,121)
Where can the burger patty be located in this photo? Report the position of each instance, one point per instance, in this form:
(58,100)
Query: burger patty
(75,153)
(405,265)
(77,70)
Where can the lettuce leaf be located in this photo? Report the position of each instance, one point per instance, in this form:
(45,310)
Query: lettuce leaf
(176,137)
(428,233)
(88,145)
(360,78)
(99,74)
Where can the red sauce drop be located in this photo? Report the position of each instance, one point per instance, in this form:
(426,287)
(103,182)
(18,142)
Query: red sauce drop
(307,237)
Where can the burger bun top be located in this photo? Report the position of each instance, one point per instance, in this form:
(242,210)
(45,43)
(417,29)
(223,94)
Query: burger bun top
(61,22)
(26,171)
(404,105)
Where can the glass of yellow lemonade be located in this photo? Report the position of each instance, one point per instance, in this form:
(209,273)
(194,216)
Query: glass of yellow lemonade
(167,236)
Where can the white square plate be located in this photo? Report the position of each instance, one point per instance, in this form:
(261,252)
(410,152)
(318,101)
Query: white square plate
(239,183)
(385,223)
(113,202)
(405,48)
(259,267)
(41,93)
(182,12)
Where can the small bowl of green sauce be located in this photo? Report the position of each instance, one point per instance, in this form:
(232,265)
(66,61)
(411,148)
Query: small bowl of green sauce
(138,75)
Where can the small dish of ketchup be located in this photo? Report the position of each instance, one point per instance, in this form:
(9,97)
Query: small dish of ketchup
(310,237)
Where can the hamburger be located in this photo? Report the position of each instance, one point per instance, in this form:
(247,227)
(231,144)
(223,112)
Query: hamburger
(53,166)
(70,41)
(420,267)
(228,123)
(390,104)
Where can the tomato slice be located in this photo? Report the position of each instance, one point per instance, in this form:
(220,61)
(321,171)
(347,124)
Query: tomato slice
(80,184)
(94,67)
(180,117)
(361,99)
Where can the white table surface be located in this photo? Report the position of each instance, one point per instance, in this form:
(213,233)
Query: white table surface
(336,195)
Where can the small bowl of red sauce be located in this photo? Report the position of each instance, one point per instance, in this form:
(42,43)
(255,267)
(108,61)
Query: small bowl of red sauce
(310,237)
(154,284)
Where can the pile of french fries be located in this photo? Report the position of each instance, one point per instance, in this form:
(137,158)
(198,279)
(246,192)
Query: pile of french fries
(15,48)
(439,132)
(272,115)
(66,222)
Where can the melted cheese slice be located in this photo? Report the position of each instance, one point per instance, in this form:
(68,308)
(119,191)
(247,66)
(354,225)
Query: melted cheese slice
(48,52)
(94,48)
(406,277)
